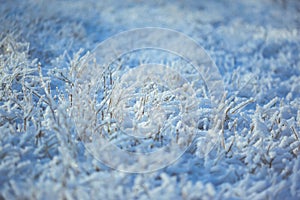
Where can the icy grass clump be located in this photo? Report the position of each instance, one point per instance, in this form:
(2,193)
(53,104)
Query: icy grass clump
(149,108)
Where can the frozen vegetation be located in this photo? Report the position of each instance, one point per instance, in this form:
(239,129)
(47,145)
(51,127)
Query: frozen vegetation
(252,152)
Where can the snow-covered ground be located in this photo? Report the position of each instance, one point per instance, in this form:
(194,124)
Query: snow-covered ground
(44,130)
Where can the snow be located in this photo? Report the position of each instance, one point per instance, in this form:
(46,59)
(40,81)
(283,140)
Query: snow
(245,146)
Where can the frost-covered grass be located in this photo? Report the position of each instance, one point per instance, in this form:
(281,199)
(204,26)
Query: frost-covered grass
(43,46)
